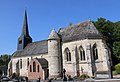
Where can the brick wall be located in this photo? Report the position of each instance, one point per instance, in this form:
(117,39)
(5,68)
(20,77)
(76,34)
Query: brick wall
(35,75)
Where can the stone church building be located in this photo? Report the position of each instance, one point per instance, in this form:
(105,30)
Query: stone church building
(79,49)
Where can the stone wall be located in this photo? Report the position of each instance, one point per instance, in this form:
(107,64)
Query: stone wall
(100,63)
(72,67)
(24,70)
(54,58)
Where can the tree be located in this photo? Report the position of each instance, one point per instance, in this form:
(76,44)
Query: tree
(116,49)
(106,28)
(116,33)
(4,60)
(116,44)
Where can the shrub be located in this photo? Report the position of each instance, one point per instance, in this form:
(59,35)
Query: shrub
(84,76)
(114,72)
(76,78)
(117,68)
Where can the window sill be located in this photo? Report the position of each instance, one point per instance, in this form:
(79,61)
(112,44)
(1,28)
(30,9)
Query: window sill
(98,61)
(82,62)
(68,62)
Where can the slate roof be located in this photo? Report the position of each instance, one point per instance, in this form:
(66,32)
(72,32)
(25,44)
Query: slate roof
(71,33)
(79,31)
(43,62)
(53,35)
(25,26)
(34,48)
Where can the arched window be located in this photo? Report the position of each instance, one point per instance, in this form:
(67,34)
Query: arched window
(30,68)
(95,52)
(38,68)
(20,63)
(82,54)
(27,61)
(67,54)
(34,67)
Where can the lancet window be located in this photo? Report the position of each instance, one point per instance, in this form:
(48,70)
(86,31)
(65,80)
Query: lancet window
(95,52)
(82,54)
(67,54)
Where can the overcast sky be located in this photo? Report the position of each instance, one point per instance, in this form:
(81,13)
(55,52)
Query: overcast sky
(44,15)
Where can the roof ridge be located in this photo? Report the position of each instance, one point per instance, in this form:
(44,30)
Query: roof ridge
(38,41)
(53,35)
(82,30)
(73,25)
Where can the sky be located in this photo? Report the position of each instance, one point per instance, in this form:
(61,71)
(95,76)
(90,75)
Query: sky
(45,15)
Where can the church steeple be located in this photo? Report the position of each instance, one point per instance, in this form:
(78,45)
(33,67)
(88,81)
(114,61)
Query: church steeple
(25,26)
(25,38)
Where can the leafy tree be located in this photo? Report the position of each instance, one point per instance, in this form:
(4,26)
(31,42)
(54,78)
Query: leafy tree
(1,62)
(116,33)
(106,27)
(4,60)
(116,44)
(117,68)
(116,49)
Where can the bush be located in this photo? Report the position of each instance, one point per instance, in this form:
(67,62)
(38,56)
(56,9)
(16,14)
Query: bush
(84,76)
(114,72)
(117,68)
(76,78)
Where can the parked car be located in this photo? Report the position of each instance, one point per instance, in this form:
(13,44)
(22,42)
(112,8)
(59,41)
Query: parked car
(16,79)
(20,79)
(5,79)
(23,78)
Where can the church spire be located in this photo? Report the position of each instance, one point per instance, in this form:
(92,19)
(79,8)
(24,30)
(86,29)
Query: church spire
(25,38)
(25,25)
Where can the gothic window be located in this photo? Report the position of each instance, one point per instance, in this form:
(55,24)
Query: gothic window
(20,63)
(67,54)
(95,52)
(38,68)
(82,54)
(30,68)
(34,67)
(27,61)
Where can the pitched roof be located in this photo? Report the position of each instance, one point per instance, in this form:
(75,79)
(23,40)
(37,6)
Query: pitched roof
(79,31)
(43,62)
(53,35)
(71,33)
(25,26)
(34,48)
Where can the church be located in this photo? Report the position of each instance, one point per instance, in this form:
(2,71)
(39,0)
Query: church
(78,49)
